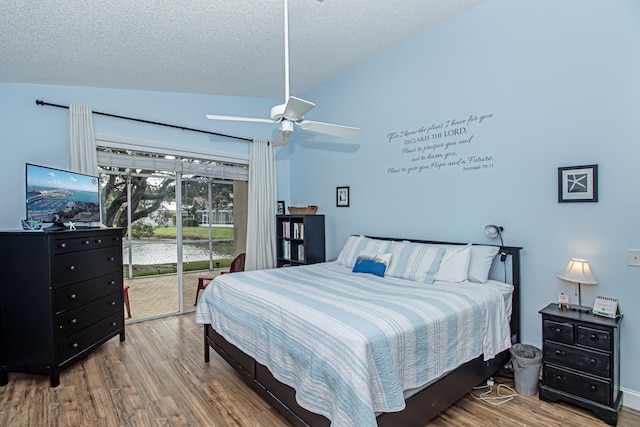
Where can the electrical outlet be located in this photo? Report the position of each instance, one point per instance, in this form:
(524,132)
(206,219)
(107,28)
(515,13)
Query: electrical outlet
(633,257)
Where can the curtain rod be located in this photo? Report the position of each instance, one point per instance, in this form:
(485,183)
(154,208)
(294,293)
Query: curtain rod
(39,102)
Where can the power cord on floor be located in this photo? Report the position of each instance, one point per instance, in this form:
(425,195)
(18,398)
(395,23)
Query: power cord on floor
(494,399)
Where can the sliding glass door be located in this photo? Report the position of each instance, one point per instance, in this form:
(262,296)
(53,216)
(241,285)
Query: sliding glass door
(179,222)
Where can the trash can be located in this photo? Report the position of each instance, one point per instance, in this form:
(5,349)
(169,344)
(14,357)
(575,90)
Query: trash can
(527,360)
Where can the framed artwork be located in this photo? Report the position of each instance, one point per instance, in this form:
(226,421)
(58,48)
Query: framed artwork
(342,197)
(578,184)
(280,208)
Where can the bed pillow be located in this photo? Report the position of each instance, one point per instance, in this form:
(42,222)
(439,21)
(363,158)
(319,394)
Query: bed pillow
(481,261)
(350,250)
(372,263)
(357,244)
(414,261)
(454,266)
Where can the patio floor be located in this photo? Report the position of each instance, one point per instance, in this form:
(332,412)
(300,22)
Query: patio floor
(151,296)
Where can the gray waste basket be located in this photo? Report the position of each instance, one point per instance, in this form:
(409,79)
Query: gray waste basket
(526,366)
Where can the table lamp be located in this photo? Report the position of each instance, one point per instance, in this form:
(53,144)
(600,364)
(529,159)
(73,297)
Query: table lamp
(578,271)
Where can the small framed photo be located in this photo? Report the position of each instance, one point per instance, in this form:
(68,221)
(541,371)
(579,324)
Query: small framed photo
(280,208)
(342,197)
(578,184)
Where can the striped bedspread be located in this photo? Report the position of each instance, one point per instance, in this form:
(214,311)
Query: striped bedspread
(351,343)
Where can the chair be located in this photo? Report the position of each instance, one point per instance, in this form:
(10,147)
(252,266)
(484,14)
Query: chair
(125,288)
(236,265)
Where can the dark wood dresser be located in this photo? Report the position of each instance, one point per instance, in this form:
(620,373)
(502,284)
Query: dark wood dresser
(60,297)
(581,361)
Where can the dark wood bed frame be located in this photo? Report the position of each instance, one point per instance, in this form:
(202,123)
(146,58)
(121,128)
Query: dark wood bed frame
(420,408)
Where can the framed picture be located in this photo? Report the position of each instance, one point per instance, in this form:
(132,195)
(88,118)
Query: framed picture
(342,197)
(578,184)
(280,208)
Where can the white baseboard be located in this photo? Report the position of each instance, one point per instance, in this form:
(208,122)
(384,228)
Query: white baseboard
(630,398)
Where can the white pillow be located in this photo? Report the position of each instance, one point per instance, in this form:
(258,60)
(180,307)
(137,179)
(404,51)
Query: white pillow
(481,261)
(414,261)
(454,266)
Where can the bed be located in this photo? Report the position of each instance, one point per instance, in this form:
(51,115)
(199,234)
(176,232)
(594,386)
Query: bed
(322,343)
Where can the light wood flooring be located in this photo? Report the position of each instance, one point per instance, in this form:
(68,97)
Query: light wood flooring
(157,377)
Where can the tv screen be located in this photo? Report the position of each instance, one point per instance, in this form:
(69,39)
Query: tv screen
(55,195)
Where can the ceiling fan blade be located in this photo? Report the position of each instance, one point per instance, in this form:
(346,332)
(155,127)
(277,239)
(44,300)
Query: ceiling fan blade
(281,138)
(239,119)
(296,108)
(330,129)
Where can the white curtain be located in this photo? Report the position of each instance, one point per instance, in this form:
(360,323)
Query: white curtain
(81,143)
(261,221)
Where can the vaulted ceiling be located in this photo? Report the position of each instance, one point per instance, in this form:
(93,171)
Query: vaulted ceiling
(222,47)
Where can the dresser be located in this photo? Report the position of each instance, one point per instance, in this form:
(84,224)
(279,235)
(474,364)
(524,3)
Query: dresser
(581,361)
(61,297)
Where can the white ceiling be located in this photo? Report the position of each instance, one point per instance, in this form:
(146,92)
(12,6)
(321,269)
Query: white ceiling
(222,47)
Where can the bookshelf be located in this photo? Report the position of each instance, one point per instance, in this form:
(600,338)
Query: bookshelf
(300,239)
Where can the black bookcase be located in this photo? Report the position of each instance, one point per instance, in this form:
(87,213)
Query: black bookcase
(300,239)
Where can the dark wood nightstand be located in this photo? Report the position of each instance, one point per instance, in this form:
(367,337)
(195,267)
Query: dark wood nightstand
(581,361)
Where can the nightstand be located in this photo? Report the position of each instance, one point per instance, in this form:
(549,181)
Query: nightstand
(581,361)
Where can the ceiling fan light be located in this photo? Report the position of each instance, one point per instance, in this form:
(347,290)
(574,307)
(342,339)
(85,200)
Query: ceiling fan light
(286,126)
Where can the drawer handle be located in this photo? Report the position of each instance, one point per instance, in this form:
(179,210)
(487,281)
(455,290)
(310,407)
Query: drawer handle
(113,282)
(72,267)
(593,387)
(73,321)
(112,303)
(86,242)
(63,245)
(73,296)
(558,330)
(559,353)
(593,337)
(74,345)
(593,361)
(99,241)
(114,323)
(111,258)
(559,378)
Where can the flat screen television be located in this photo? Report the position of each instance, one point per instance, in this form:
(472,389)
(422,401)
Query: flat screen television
(58,196)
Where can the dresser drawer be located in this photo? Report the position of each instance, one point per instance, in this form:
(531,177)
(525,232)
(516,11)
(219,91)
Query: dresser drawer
(78,266)
(82,317)
(594,389)
(72,296)
(591,362)
(102,240)
(84,339)
(596,338)
(70,244)
(557,331)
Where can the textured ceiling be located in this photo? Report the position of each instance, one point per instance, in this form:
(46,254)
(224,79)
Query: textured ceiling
(223,47)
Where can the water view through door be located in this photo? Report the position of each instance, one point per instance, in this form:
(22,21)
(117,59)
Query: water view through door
(180,229)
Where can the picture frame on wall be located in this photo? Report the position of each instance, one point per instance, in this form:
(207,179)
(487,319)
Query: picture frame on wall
(280,208)
(342,197)
(578,184)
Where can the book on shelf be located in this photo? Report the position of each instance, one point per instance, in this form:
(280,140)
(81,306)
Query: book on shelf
(298,230)
(286,249)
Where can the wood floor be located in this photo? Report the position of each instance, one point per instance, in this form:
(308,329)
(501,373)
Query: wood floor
(157,377)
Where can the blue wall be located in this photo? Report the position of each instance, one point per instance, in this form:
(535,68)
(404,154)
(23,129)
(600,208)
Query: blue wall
(561,82)
(36,134)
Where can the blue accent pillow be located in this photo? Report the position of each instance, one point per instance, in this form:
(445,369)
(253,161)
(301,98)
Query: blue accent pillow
(372,263)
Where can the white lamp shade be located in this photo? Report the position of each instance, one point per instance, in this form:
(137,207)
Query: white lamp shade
(578,271)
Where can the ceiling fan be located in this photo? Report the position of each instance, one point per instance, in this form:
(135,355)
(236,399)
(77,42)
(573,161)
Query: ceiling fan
(293,110)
